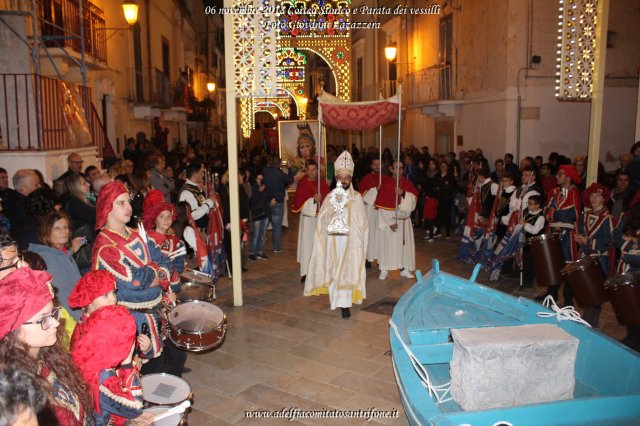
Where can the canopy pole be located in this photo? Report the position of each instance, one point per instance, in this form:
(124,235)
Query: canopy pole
(380,157)
(320,126)
(399,136)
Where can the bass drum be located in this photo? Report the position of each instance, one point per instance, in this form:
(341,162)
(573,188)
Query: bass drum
(624,293)
(548,259)
(586,278)
(197,326)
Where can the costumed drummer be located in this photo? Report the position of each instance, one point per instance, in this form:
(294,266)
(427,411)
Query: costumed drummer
(337,265)
(102,347)
(626,237)
(140,268)
(395,204)
(31,340)
(306,202)
(562,213)
(595,236)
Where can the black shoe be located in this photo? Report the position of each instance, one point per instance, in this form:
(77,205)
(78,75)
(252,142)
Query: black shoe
(253,257)
(262,256)
(367,264)
(346,313)
(186,370)
(244,269)
(303,279)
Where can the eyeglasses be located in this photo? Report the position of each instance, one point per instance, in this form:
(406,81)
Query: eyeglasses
(47,321)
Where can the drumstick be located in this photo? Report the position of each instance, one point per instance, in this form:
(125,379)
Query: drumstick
(201,273)
(178,409)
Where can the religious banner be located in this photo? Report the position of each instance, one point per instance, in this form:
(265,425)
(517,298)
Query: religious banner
(298,142)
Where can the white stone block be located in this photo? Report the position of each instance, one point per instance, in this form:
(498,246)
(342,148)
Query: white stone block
(507,366)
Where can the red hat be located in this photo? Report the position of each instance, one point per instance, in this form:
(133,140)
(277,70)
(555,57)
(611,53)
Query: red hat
(596,188)
(92,285)
(572,173)
(101,341)
(152,206)
(22,294)
(106,197)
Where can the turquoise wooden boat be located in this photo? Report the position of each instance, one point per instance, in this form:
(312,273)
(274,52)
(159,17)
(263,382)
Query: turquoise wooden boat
(607,373)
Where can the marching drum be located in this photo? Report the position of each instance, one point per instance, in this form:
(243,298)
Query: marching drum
(172,420)
(164,389)
(548,259)
(624,292)
(197,326)
(586,278)
(195,287)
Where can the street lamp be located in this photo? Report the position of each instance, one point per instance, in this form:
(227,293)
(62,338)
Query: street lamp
(130,9)
(211,87)
(390,52)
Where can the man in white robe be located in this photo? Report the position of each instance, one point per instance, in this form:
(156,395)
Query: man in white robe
(306,202)
(369,187)
(337,265)
(397,245)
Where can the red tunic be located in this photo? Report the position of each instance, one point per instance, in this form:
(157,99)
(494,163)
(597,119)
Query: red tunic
(308,189)
(371,181)
(386,200)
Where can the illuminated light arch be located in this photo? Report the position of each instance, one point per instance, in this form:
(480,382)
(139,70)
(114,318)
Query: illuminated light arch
(258,37)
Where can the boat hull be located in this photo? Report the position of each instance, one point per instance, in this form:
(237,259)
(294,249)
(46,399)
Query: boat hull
(607,373)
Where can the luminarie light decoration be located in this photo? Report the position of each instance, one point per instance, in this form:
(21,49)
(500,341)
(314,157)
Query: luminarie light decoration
(577,21)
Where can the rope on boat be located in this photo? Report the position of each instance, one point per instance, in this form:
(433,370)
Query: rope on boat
(566,313)
(439,392)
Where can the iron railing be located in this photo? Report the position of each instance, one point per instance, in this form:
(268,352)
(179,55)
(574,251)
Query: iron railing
(421,87)
(33,115)
(60,24)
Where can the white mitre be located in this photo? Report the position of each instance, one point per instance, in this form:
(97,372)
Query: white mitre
(344,164)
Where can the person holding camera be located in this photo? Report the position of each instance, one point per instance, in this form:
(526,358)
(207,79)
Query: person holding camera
(277,180)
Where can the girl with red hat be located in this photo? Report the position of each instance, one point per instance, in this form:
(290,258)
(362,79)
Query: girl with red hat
(31,340)
(157,218)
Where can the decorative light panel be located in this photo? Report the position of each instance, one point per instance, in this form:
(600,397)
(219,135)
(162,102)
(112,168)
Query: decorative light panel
(577,21)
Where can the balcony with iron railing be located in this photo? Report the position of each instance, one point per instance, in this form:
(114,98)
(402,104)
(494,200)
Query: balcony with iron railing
(37,115)
(153,87)
(60,25)
(426,86)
